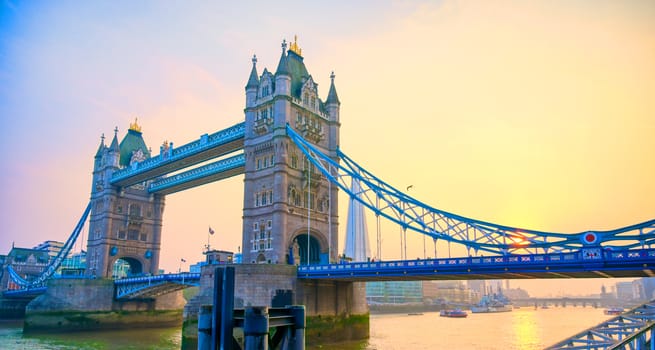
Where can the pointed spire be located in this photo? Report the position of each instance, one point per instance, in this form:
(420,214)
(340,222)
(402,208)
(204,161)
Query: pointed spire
(102,146)
(253,81)
(332,95)
(283,66)
(114,143)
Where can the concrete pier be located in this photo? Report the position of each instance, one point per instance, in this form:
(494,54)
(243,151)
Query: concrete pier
(13,308)
(335,311)
(89,304)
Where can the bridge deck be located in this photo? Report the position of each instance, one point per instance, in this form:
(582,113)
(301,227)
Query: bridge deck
(634,263)
(206,148)
(219,170)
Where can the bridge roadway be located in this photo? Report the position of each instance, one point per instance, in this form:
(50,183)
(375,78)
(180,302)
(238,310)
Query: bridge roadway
(206,148)
(616,263)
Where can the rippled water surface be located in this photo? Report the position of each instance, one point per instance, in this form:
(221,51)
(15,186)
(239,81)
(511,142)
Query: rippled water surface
(524,328)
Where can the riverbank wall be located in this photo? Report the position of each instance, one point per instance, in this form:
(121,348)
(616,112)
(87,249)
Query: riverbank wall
(89,304)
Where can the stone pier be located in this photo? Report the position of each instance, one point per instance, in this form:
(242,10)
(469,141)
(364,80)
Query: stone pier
(335,311)
(89,304)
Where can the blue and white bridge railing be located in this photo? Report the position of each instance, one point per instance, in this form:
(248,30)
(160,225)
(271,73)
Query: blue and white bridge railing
(586,263)
(153,286)
(476,235)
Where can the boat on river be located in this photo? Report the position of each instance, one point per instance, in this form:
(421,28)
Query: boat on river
(456,313)
(613,311)
(492,303)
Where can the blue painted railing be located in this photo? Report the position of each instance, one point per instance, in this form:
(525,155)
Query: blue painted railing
(137,286)
(546,263)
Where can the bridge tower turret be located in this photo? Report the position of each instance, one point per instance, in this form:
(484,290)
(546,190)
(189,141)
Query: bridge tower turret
(290,210)
(125,223)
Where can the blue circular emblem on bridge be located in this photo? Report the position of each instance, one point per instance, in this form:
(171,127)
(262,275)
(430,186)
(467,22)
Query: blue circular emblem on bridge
(113,251)
(148,254)
(589,238)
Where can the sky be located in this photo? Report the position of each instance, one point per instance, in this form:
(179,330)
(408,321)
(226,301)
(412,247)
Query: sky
(532,114)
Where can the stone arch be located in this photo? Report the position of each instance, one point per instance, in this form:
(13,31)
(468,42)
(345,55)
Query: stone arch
(126,266)
(299,246)
(261,258)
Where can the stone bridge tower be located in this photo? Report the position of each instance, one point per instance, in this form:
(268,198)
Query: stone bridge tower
(289,210)
(125,223)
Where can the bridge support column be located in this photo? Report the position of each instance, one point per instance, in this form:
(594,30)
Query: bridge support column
(335,311)
(13,308)
(89,304)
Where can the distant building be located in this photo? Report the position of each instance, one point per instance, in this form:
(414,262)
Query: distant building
(648,288)
(625,291)
(28,263)
(394,292)
(477,287)
(218,257)
(213,257)
(516,293)
(52,247)
(447,291)
(73,265)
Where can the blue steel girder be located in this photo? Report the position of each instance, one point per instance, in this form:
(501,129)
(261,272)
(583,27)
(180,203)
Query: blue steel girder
(630,330)
(387,201)
(205,148)
(55,263)
(24,293)
(215,171)
(153,286)
(580,264)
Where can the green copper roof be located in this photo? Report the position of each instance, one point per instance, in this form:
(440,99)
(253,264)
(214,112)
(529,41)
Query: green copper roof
(131,142)
(297,71)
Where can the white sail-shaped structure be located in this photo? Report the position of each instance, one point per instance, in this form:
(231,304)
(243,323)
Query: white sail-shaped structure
(357,247)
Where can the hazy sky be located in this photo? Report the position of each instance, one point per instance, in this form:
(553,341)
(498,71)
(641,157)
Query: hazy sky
(535,114)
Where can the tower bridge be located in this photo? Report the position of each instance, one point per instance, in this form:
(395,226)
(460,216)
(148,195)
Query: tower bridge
(288,151)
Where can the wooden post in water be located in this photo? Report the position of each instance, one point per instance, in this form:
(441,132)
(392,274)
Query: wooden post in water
(255,328)
(205,327)
(298,313)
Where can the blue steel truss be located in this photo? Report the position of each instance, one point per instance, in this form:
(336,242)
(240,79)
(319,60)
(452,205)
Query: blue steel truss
(585,263)
(386,201)
(55,263)
(184,152)
(223,168)
(152,286)
(631,330)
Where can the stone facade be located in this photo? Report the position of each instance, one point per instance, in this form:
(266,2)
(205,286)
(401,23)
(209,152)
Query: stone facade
(335,310)
(125,223)
(89,304)
(284,196)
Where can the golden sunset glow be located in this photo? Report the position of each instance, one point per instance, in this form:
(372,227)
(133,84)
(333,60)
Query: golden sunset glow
(538,115)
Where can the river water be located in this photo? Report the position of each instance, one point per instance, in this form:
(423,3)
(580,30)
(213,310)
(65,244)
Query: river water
(524,328)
